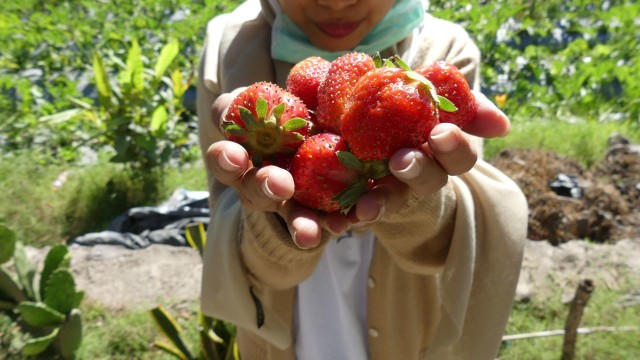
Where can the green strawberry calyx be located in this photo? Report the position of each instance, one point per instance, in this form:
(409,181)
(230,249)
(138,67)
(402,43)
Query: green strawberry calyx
(262,136)
(369,172)
(396,61)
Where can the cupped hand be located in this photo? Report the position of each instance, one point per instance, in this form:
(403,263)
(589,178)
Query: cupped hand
(449,151)
(268,188)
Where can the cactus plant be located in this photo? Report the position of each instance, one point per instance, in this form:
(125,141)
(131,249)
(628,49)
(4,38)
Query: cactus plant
(217,338)
(47,313)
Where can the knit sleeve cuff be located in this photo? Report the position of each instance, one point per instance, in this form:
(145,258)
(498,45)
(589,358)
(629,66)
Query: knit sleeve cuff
(270,254)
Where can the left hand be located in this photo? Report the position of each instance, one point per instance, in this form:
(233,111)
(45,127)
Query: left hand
(425,170)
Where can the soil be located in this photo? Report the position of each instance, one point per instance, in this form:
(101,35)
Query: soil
(567,202)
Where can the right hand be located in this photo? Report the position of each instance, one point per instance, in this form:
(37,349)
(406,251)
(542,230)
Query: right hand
(268,188)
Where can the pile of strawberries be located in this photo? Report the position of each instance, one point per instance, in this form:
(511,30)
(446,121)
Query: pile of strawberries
(337,123)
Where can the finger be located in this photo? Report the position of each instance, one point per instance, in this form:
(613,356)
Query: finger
(335,222)
(220,106)
(418,170)
(303,223)
(388,196)
(227,161)
(490,121)
(265,188)
(452,149)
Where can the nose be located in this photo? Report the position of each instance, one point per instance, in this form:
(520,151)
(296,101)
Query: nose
(337,4)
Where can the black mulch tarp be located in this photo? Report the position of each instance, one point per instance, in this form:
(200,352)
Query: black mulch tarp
(164,224)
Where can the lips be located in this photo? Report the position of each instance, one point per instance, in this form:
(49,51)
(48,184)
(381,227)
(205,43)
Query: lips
(339,29)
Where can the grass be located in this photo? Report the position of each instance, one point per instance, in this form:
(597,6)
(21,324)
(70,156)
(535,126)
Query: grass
(604,309)
(91,197)
(583,141)
(128,335)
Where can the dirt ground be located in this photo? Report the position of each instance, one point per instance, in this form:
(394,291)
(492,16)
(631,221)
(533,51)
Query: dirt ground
(567,201)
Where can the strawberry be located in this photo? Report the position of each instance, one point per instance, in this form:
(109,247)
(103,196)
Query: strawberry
(390,108)
(327,176)
(305,77)
(267,121)
(334,91)
(451,83)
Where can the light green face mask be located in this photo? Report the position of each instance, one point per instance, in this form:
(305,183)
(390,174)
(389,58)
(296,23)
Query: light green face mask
(290,44)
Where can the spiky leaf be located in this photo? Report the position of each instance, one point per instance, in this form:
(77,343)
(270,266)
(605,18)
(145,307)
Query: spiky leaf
(262,107)
(39,314)
(171,329)
(7,244)
(170,350)
(234,129)
(196,236)
(61,291)
(57,257)
(38,345)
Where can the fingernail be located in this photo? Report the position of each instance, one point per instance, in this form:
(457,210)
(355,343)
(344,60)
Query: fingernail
(225,163)
(446,139)
(267,191)
(412,170)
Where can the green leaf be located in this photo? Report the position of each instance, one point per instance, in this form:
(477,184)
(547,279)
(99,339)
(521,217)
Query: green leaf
(234,129)
(167,55)
(135,67)
(262,107)
(170,350)
(294,124)
(39,314)
(247,117)
(171,329)
(102,81)
(446,105)
(178,86)
(38,345)
(350,195)
(159,120)
(70,335)
(398,60)
(196,236)
(278,110)
(9,289)
(349,160)
(7,244)
(25,271)
(57,257)
(61,291)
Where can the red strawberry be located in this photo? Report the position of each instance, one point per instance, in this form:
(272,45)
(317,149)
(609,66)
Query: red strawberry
(305,77)
(268,121)
(451,83)
(390,108)
(326,176)
(333,93)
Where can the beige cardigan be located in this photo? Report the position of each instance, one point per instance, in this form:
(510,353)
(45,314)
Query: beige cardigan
(444,269)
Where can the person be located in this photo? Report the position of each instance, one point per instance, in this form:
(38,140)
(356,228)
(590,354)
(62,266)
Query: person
(428,264)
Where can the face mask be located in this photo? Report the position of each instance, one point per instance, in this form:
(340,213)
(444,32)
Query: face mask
(290,44)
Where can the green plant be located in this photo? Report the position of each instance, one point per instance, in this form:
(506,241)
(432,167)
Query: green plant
(139,111)
(217,338)
(47,314)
